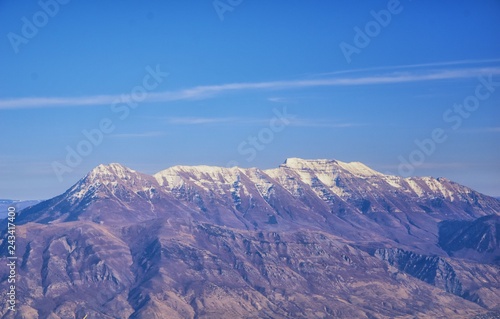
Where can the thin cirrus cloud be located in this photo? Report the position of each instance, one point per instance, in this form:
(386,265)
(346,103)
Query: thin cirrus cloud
(291,121)
(488,129)
(429,166)
(207,120)
(216,120)
(298,122)
(413,66)
(211,91)
(280,100)
(139,135)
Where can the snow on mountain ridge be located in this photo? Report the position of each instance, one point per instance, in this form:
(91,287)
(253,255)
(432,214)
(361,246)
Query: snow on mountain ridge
(359,169)
(325,165)
(176,176)
(325,175)
(347,180)
(330,173)
(221,174)
(112,178)
(112,170)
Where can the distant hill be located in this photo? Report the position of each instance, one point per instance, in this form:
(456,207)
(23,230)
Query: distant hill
(19,204)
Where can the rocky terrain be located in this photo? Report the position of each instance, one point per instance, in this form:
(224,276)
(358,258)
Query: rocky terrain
(309,239)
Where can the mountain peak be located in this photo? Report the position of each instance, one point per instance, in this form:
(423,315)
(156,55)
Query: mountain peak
(175,175)
(355,168)
(295,162)
(111,171)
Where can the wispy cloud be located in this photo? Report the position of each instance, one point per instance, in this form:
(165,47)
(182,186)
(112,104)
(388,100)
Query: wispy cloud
(201,92)
(293,121)
(206,120)
(13,166)
(217,121)
(481,130)
(139,135)
(16,103)
(322,123)
(454,165)
(211,91)
(280,100)
(413,66)
(429,166)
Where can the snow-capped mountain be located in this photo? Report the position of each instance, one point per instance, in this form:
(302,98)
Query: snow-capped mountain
(325,194)
(347,199)
(293,241)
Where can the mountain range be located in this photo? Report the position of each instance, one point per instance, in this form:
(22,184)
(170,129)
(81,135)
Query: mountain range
(309,239)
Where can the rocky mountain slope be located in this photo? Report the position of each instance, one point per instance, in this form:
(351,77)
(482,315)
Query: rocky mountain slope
(309,239)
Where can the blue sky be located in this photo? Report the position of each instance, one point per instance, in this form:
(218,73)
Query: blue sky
(359,81)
